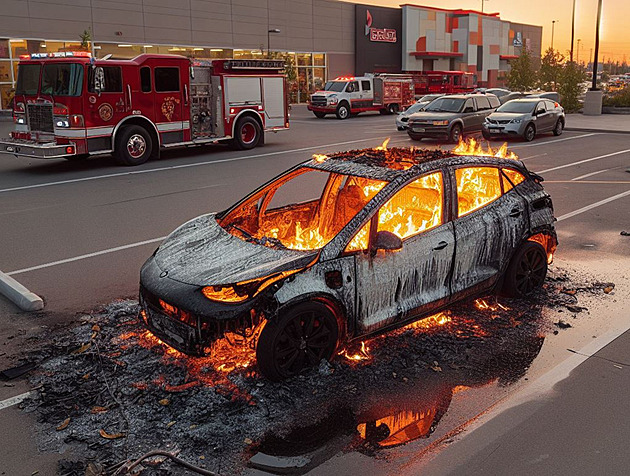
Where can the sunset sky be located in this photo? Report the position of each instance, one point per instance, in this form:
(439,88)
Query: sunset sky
(614,38)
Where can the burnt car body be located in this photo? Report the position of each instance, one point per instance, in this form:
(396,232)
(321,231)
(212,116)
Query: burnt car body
(384,238)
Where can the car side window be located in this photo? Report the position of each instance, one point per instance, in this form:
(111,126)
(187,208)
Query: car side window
(540,108)
(494,102)
(352,87)
(166,79)
(511,178)
(482,103)
(360,240)
(365,85)
(415,208)
(476,187)
(145,79)
(550,105)
(468,106)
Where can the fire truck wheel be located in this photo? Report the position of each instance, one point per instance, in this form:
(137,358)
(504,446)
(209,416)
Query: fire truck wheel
(527,270)
(319,115)
(343,111)
(383,112)
(393,108)
(455,134)
(133,146)
(246,134)
(298,339)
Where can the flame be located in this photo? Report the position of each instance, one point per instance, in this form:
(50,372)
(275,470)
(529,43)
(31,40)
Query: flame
(320,158)
(383,146)
(436,320)
(472,147)
(402,427)
(360,354)
(484,305)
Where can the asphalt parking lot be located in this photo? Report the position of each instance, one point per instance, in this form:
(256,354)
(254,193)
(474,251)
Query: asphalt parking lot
(77,233)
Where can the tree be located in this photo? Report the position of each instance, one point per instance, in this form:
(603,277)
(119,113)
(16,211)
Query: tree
(569,85)
(550,69)
(86,38)
(522,74)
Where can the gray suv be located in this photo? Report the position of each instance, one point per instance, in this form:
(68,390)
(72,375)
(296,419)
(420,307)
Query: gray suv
(526,118)
(450,117)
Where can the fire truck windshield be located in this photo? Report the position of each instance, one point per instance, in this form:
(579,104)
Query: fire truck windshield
(336,86)
(62,79)
(28,79)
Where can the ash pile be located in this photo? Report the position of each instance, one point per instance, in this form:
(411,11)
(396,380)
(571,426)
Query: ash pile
(110,392)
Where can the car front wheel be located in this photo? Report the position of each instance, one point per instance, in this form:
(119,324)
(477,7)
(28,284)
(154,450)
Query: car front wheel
(530,133)
(527,270)
(300,338)
(343,111)
(455,134)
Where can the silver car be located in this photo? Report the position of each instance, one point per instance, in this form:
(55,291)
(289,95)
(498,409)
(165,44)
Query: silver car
(526,118)
(403,117)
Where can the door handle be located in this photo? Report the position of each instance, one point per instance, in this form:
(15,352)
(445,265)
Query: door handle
(516,212)
(441,245)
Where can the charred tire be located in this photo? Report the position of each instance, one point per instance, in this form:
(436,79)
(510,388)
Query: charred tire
(559,128)
(319,115)
(530,133)
(456,134)
(133,146)
(300,338)
(343,111)
(247,133)
(527,270)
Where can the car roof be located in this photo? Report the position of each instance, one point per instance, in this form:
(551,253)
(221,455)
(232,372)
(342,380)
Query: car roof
(400,163)
(529,99)
(465,96)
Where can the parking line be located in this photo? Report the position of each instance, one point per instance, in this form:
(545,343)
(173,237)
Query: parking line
(579,162)
(594,205)
(589,175)
(183,166)
(553,141)
(9,402)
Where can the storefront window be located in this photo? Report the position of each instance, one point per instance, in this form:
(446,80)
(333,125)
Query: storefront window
(319,59)
(6,95)
(4,48)
(5,71)
(304,59)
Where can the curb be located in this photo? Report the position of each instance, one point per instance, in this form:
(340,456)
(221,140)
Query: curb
(18,294)
(590,129)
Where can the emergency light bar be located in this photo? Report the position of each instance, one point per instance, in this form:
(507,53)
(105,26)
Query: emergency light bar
(58,54)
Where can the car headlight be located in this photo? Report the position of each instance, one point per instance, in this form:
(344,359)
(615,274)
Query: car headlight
(516,121)
(235,293)
(440,123)
(333,99)
(62,123)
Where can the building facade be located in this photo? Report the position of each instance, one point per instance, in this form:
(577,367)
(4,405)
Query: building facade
(320,39)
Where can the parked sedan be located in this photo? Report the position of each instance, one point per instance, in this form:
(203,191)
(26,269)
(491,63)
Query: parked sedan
(450,117)
(526,118)
(403,117)
(344,247)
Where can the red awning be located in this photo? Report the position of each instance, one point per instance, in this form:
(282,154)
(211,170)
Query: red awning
(436,54)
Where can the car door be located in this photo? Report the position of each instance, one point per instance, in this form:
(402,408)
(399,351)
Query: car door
(489,226)
(483,110)
(353,90)
(169,101)
(392,284)
(554,112)
(469,116)
(366,93)
(544,119)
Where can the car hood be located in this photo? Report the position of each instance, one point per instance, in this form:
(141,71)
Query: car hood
(508,116)
(324,93)
(434,116)
(202,253)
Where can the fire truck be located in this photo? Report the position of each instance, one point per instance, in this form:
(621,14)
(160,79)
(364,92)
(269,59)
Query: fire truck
(445,82)
(69,105)
(348,96)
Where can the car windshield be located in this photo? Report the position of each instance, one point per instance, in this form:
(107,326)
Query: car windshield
(336,86)
(415,107)
(301,210)
(517,107)
(429,97)
(28,79)
(446,105)
(62,79)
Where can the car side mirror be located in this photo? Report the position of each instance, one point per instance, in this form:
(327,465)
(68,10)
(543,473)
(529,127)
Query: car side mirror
(388,241)
(99,80)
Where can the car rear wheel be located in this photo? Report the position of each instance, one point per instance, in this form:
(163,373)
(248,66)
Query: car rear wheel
(559,128)
(530,133)
(300,338)
(455,134)
(527,270)
(319,115)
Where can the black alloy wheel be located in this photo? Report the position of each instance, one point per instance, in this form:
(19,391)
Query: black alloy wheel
(527,270)
(299,339)
(559,128)
(530,133)
(455,134)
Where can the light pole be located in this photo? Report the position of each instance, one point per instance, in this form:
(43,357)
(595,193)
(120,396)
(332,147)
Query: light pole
(553,27)
(269,32)
(573,32)
(595,69)
(577,56)
(482,3)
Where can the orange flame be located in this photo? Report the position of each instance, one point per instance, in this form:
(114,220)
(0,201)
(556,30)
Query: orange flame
(383,146)
(360,354)
(472,147)
(484,305)
(436,320)
(320,158)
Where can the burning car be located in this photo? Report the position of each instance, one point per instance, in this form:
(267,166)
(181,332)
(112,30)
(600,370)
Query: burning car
(378,238)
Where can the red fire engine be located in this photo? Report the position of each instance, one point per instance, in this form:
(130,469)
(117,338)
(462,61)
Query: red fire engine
(447,82)
(68,105)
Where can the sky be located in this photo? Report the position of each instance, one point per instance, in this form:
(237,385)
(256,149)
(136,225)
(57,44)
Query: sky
(614,35)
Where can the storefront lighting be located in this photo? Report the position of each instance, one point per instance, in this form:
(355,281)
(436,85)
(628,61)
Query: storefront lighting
(148,46)
(43,45)
(125,46)
(216,49)
(197,49)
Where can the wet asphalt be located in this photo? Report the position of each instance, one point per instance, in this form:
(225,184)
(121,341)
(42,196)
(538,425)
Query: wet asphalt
(54,211)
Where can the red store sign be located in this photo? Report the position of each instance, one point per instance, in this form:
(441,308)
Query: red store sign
(383,34)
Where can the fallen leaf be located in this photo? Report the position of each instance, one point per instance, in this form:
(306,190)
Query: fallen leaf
(248,441)
(64,425)
(164,402)
(98,409)
(110,436)
(436,367)
(570,292)
(82,349)
(170,424)
(86,376)
(96,328)
(608,289)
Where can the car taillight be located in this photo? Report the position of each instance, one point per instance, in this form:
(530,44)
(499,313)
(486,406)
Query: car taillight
(76,120)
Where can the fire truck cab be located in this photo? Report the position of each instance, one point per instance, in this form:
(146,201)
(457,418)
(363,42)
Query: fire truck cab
(444,82)
(348,96)
(68,105)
